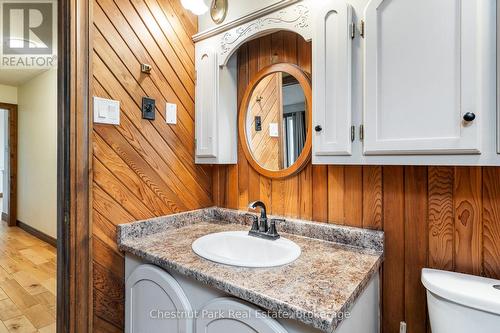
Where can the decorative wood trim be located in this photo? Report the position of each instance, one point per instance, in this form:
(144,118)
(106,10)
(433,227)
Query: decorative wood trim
(73,213)
(295,18)
(242,20)
(305,156)
(37,233)
(12,195)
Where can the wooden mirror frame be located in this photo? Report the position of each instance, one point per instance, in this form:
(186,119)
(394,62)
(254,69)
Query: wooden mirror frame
(305,155)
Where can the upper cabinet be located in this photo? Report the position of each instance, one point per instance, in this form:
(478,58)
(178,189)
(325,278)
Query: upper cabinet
(399,82)
(215,106)
(332,44)
(206,103)
(421,77)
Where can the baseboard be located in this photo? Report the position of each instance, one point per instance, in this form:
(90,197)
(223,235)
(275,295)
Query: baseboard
(5,217)
(38,234)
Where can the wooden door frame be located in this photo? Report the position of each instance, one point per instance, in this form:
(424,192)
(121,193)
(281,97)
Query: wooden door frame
(12,175)
(74,270)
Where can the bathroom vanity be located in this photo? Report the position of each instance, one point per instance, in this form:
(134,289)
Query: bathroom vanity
(333,286)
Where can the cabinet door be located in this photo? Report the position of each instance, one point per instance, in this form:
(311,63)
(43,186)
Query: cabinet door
(152,298)
(421,77)
(331,51)
(206,103)
(230,315)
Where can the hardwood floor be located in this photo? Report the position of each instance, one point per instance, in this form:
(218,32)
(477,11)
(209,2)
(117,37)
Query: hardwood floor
(27,283)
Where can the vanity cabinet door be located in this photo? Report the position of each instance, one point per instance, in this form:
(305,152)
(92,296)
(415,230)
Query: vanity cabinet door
(151,296)
(422,88)
(331,51)
(230,315)
(206,102)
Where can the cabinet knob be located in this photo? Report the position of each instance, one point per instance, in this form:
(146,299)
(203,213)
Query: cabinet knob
(318,128)
(469,116)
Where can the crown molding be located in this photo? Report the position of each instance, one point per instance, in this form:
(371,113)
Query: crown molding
(242,20)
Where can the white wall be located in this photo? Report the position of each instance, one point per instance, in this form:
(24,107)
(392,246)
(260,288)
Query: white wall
(8,94)
(235,9)
(37,152)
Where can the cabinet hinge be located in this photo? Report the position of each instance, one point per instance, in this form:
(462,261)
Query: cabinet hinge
(361,132)
(353,30)
(353,132)
(195,77)
(362,29)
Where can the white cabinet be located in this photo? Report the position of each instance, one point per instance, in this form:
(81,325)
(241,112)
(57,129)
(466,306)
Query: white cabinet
(422,77)
(152,296)
(234,315)
(215,107)
(206,103)
(332,44)
(211,310)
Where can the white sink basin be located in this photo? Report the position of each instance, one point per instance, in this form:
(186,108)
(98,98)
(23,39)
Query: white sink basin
(237,248)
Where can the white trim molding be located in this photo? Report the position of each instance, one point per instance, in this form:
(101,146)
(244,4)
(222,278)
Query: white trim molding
(296,18)
(242,20)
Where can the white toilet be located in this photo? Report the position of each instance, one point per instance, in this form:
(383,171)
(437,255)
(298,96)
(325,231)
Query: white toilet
(462,303)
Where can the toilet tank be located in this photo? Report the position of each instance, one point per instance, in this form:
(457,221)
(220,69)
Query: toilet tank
(462,303)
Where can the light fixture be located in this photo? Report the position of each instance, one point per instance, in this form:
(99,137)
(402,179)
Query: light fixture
(197,7)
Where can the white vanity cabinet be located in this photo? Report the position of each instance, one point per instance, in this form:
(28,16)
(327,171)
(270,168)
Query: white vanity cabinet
(331,52)
(421,77)
(151,294)
(235,316)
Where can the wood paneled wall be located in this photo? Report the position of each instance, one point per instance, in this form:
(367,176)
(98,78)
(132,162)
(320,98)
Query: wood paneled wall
(439,217)
(141,168)
(267,103)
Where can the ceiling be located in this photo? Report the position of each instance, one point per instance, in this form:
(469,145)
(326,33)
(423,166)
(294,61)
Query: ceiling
(16,77)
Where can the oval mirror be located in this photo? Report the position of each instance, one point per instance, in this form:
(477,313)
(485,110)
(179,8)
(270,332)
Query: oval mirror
(275,120)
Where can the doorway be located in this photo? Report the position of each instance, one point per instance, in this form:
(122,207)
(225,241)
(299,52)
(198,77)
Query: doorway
(28,162)
(8,165)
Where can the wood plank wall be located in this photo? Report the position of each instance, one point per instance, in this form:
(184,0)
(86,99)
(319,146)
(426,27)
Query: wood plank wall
(440,217)
(267,150)
(141,168)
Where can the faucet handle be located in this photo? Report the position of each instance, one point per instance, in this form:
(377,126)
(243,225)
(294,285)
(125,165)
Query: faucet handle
(272,228)
(255,222)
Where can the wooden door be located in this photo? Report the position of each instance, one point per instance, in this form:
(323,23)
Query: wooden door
(331,51)
(152,300)
(206,103)
(421,77)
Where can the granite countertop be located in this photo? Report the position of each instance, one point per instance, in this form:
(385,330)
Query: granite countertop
(335,266)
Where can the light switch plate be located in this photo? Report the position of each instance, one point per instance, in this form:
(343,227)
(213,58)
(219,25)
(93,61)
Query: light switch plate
(171,113)
(273,130)
(106,111)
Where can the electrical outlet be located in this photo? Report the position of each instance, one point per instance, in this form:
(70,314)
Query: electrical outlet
(171,113)
(273,130)
(148,108)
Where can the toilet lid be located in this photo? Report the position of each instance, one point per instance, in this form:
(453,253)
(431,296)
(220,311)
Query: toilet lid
(469,290)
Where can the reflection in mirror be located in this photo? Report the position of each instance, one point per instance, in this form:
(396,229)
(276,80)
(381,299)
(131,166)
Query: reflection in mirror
(276,123)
